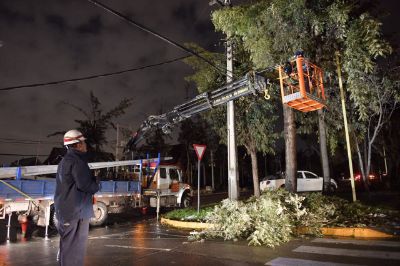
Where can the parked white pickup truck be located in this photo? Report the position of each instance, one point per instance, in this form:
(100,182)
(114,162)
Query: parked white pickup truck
(306,181)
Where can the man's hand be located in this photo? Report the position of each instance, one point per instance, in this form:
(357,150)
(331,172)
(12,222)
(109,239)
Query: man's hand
(97,175)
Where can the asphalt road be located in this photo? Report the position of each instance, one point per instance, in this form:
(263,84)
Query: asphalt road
(131,238)
(146,242)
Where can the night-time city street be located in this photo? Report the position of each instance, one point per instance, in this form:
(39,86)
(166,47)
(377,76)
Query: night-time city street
(199,132)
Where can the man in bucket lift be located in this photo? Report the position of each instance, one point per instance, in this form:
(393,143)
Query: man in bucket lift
(290,70)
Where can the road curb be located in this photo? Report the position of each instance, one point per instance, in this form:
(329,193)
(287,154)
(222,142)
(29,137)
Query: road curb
(355,232)
(326,231)
(185,224)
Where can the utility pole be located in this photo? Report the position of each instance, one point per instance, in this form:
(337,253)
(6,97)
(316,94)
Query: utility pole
(116,145)
(212,171)
(233,175)
(346,128)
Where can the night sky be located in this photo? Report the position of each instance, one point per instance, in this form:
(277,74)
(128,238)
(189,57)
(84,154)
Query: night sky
(50,40)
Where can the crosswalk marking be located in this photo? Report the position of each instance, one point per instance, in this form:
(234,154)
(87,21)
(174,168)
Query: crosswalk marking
(358,242)
(349,252)
(299,262)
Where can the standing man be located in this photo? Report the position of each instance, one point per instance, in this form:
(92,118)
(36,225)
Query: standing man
(75,186)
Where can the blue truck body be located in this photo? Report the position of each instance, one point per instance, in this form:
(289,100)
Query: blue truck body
(39,189)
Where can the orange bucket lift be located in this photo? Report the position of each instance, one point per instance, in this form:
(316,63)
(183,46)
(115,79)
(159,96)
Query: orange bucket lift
(301,85)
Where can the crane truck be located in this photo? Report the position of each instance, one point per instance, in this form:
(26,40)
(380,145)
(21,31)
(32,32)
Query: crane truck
(26,192)
(164,187)
(154,183)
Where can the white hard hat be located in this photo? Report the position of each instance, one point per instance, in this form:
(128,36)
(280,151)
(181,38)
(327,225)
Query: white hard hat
(73,136)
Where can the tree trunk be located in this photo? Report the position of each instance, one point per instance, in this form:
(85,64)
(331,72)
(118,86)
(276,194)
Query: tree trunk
(254,169)
(188,169)
(290,149)
(323,149)
(362,169)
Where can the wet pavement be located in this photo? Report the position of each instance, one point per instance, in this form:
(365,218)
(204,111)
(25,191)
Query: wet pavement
(133,239)
(144,241)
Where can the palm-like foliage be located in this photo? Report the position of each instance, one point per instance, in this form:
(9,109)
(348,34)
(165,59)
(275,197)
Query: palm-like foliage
(96,121)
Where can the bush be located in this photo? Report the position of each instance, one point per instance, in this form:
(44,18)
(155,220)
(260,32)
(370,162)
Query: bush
(230,219)
(276,215)
(188,214)
(268,220)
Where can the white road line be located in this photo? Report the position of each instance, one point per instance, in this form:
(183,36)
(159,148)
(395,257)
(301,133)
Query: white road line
(299,262)
(166,234)
(359,242)
(132,247)
(349,252)
(135,231)
(136,238)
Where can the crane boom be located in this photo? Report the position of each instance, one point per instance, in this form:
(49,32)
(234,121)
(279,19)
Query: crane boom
(249,84)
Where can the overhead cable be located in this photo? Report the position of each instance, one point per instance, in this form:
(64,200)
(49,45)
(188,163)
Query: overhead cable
(26,142)
(29,141)
(92,76)
(158,35)
(28,155)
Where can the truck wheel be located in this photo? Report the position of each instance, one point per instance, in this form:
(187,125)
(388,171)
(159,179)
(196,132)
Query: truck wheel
(100,214)
(186,201)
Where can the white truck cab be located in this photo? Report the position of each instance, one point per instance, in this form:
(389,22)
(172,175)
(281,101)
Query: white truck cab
(167,183)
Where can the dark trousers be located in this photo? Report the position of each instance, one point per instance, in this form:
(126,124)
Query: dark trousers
(73,238)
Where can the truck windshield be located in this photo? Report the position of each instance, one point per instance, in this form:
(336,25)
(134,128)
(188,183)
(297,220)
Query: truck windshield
(173,174)
(163,173)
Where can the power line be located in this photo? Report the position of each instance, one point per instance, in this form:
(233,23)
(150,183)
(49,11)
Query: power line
(30,155)
(28,141)
(92,76)
(158,35)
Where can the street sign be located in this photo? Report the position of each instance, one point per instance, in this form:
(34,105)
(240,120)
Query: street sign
(200,149)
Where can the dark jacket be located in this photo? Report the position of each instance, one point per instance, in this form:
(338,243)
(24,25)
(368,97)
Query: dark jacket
(75,186)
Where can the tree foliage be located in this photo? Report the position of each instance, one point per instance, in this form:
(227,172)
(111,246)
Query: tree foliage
(271,30)
(254,117)
(96,121)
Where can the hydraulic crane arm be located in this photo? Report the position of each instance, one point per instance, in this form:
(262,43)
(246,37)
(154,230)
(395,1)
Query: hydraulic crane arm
(249,84)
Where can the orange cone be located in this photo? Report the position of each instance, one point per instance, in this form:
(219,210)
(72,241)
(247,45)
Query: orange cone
(23,221)
(24,228)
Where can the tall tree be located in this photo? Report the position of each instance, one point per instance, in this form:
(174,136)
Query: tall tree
(96,121)
(272,30)
(384,99)
(254,117)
